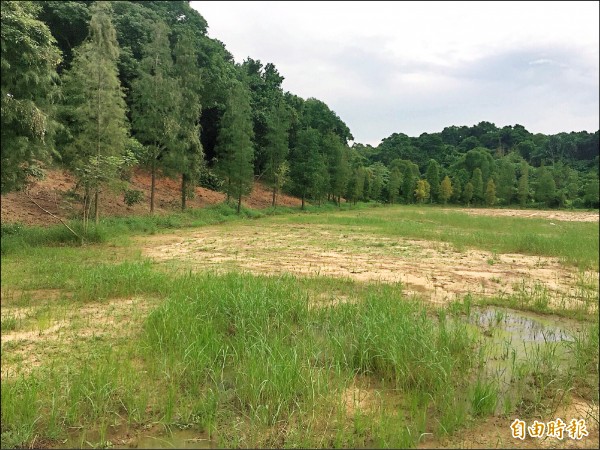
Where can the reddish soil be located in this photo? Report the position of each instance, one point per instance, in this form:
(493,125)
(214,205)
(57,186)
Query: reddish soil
(53,194)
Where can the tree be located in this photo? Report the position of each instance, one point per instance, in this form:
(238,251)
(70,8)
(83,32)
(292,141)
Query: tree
(340,172)
(591,196)
(433,178)
(468,193)
(98,124)
(523,189)
(277,146)
(477,182)
(456,189)
(546,187)
(393,187)
(422,191)
(29,60)
(156,102)
(187,158)
(445,189)
(235,151)
(306,163)
(490,193)
(506,180)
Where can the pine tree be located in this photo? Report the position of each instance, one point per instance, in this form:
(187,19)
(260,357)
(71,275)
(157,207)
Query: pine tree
(393,187)
(506,181)
(235,151)
(305,162)
(546,187)
(433,178)
(29,60)
(99,124)
(477,182)
(187,157)
(456,189)
(468,193)
(523,190)
(156,102)
(277,147)
(445,189)
(490,193)
(422,192)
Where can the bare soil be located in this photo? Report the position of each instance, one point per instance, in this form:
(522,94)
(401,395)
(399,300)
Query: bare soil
(432,270)
(55,194)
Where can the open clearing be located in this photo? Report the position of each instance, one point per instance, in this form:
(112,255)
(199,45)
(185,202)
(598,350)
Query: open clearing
(434,271)
(66,324)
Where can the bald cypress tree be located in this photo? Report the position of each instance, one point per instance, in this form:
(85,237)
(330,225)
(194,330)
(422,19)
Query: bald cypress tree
(97,110)
(187,156)
(156,99)
(235,151)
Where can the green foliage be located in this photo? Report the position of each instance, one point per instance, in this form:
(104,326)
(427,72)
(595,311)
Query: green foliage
(422,192)
(277,147)
(477,182)
(133,196)
(156,102)
(445,189)
(546,187)
(433,178)
(235,151)
(306,162)
(490,193)
(468,193)
(187,156)
(96,110)
(28,63)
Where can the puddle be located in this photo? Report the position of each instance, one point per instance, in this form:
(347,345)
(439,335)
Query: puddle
(152,438)
(523,327)
(517,346)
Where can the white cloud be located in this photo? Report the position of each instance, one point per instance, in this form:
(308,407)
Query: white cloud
(415,67)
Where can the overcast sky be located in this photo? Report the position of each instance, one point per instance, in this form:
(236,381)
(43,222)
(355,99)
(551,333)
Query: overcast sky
(415,67)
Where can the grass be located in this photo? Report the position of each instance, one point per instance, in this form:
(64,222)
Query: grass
(267,361)
(575,243)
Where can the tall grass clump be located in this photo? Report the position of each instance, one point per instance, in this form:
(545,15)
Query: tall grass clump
(237,333)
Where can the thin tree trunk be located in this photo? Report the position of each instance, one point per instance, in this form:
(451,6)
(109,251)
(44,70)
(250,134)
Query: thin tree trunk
(183,190)
(239,205)
(302,201)
(96,212)
(274,194)
(153,183)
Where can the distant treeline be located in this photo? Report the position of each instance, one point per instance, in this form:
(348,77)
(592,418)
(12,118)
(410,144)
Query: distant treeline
(102,87)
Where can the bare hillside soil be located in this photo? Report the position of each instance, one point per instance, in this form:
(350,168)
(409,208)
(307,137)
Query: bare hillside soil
(53,194)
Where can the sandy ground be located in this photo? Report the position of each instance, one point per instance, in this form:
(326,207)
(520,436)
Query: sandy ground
(432,270)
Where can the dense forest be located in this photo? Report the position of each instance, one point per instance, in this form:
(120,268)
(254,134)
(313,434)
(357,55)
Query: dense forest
(99,88)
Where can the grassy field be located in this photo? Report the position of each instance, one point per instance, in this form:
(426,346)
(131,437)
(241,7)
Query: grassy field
(104,345)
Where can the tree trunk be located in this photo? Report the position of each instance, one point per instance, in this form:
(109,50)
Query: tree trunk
(96,212)
(274,194)
(183,190)
(302,201)
(152,184)
(239,205)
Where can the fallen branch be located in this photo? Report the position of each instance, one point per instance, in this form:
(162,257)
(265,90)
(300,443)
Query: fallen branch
(53,215)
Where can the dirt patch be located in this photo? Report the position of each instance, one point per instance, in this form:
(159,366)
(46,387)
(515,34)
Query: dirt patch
(569,216)
(495,432)
(37,341)
(427,269)
(54,193)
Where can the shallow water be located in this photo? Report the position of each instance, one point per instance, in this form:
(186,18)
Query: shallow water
(523,326)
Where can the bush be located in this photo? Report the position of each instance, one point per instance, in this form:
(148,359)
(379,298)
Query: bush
(133,196)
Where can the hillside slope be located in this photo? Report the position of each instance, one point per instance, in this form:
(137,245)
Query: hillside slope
(54,193)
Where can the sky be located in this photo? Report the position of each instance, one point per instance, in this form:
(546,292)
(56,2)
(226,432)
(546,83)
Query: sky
(417,67)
